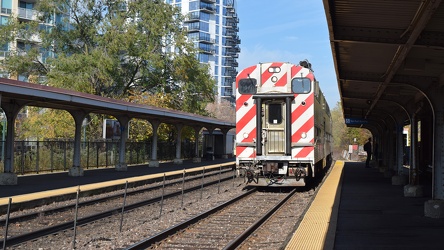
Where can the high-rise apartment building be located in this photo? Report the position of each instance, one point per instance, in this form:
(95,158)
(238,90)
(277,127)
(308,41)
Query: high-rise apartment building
(212,25)
(24,10)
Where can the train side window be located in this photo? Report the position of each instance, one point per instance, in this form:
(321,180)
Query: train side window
(275,113)
(247,86)
(300,85)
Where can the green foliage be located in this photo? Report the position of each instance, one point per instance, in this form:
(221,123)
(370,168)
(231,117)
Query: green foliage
(116,49)
(110,48)
(197,85)
(42,124)
(141,130)
(343,135)
(19,62)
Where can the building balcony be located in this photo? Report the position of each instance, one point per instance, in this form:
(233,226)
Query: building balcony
(227,81)
(28,14)
(231,62)
(230,32)
(192,17)
(208,8)
(230,5)
(231,55)
(236,39)
(227,91)
(230,23)
(34,38)
(208,1)
(234,65)
(205,39)
(231,70)
(208,51)
(232,41)
(204,48)
(233,17)
(231,50)
(193,27)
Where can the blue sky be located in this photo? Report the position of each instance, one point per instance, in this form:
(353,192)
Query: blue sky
(288,31)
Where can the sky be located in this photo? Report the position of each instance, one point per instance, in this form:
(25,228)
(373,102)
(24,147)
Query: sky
(288,31)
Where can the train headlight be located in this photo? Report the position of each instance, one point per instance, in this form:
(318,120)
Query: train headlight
(274,79)
(303,135)
(245,135)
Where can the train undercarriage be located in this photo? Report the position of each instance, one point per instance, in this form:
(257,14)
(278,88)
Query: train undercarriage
(266,173)
(281,173)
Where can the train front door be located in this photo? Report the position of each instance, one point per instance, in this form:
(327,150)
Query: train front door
(273,130)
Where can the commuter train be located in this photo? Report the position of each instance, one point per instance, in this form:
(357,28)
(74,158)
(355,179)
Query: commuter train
(283,125)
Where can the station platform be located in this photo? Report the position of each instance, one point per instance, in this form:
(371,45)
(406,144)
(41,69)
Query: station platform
(54,185)
(359,208)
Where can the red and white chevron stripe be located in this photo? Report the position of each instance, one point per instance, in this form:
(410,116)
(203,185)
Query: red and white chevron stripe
(302,118)
(245,116)
(302,114)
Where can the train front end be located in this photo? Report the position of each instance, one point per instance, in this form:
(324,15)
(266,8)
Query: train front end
(275,132)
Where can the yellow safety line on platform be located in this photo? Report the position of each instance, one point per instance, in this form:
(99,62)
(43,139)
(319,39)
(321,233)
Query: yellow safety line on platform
(313,232)
(89,187)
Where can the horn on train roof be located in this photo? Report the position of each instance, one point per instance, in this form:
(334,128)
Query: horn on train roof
(304,63)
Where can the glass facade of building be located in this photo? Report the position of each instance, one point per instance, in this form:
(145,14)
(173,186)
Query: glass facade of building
(212,25)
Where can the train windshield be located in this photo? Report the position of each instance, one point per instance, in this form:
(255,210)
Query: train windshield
(301,85)
(247,86)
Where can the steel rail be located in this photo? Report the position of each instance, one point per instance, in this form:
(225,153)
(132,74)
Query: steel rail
(69,225)
(172,230)
(250,230)
(98,200)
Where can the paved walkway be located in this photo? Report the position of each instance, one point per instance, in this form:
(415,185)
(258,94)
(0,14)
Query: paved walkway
(43,182)
(374,214)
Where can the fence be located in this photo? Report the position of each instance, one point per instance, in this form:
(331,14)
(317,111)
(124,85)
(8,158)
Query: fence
(57,155)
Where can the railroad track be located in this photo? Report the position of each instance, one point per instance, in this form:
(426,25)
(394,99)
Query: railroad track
(267,223)
(278,229)
(144,223)
(141,197)
(223,227)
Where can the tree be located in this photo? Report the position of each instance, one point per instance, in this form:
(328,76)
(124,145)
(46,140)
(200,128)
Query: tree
(108,48)
(343,135)
(339,128)
(42,124)
(222,110)
(111,48)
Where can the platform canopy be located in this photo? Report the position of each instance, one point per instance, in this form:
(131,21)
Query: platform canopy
(386,54)
(44,96)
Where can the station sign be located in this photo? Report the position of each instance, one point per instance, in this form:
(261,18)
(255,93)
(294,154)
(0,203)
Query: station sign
(355,121)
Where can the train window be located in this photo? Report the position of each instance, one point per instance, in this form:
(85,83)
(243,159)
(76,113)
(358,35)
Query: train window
(247,86)
(300,85)
(275,113)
